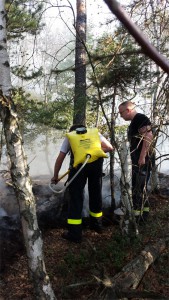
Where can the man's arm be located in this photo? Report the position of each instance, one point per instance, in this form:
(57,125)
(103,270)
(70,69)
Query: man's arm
(57,167)
(105,145)
(147,136)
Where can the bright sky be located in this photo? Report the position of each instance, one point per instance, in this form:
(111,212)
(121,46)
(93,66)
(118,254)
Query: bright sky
(97,13)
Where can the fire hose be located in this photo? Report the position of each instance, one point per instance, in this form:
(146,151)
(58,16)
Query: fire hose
(62,190)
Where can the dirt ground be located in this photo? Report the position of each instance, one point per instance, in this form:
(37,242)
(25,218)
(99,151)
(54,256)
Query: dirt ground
(73,268)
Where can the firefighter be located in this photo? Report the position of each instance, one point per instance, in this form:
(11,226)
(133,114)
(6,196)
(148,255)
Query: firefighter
(83,143)
(140,137)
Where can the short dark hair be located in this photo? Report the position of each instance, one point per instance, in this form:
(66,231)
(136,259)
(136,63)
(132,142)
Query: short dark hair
(127,102)
(75,126)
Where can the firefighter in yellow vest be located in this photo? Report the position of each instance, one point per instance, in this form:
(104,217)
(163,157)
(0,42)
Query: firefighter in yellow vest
(85,144)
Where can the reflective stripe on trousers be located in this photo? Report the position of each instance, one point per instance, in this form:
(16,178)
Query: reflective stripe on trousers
(74,221)
(140,212)
(95,215)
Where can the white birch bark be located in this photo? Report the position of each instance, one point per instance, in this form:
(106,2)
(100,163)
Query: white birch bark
(5,80)
(126,175)
(20,174)
(126,211)
(154,179)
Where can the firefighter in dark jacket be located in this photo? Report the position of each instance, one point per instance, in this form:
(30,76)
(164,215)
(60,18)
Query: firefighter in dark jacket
(140,138)
(83,142)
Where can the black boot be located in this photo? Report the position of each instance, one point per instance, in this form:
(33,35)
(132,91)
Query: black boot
(145,216)
(69,237)
(96,224)
(74,233)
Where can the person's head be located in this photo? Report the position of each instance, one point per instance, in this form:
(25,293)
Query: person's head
(75,126)
(127,110)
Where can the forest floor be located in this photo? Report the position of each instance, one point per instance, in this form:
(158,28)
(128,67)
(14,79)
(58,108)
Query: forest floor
(73,268)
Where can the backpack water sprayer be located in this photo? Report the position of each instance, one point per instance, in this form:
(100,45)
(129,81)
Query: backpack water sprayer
(86,148)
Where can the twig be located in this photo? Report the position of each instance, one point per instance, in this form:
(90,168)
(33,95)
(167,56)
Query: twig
(90,282)
(91,246)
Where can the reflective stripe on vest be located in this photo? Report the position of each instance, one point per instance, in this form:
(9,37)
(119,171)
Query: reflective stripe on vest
(74,221)
(96,215)
(85,143)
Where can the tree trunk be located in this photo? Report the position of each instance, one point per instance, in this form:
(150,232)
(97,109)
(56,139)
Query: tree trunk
(133,272)
(19,173)
(112,155)
(126,214)
(126,174)
(80,65)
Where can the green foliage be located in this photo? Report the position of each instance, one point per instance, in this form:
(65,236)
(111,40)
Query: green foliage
(121,66)
(24,71)
(23,17)
(56,114)
(119,70)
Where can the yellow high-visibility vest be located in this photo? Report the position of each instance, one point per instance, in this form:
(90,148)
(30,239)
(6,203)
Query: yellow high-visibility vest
(85,143)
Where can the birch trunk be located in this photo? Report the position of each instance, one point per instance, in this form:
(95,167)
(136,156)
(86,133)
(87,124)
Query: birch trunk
(126,213)
(126,175)
(20,173)
(154,180)
(112,155)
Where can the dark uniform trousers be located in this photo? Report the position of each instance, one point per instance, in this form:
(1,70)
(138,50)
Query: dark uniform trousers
(140,178)
(93,172)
